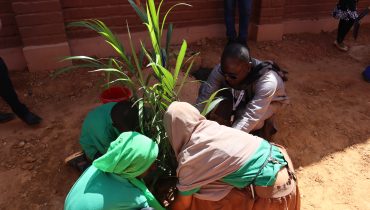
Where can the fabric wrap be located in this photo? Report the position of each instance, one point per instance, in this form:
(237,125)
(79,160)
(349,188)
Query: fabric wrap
(129,156)
(203,155)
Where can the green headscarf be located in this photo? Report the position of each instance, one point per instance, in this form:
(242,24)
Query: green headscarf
(129,156)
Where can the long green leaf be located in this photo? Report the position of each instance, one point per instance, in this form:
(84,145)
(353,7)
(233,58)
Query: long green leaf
(133,52)
(168,40)
(155,18)
(209,101)
(212,105)
(168,12)
(180,59)
(185,77)
(109,70)
(138,11)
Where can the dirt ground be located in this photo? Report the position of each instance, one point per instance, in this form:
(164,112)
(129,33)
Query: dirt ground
(326,129)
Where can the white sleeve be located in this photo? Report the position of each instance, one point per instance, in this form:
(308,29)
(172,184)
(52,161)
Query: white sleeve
(255,110)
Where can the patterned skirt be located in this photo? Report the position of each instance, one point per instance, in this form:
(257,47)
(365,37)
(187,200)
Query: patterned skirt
(344,14)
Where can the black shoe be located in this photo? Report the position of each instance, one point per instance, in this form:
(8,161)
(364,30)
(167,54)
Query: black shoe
(5,117)
(31,119)
(231,40)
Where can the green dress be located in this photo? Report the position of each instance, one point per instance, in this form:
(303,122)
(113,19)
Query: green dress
(97,131)
(112,181)
(96,189)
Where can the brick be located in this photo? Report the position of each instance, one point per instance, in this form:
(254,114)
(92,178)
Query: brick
(84,3)
(8,42)
(41,30)
(36,6)
(39,19)
(96,12)
(44,40)
(5,7)
(270,20)
(9,31)
(265,3)
(7,19)
(278,3)
(308,11)
(272,12)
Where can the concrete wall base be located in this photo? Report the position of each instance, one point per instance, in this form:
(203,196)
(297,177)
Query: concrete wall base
(267,32)
(13,58)
(46,57)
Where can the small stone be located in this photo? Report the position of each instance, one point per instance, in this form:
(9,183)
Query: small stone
(21,144)
(28,145)
(30,159)
(315,133)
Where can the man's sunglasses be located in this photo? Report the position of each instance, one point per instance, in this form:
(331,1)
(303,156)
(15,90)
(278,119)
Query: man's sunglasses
(232,75)
(229,75)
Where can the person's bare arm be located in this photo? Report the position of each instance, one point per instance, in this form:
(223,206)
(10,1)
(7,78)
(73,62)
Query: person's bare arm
(182,202)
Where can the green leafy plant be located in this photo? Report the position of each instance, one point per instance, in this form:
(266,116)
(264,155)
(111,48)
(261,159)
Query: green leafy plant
(152,92)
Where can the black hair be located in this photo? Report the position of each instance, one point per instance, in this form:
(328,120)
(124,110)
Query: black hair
(237,51)
(125,116)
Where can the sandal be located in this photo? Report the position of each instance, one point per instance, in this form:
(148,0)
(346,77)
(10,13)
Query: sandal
(78,160)
(341,46)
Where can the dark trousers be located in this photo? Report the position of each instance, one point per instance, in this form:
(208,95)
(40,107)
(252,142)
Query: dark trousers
(244,13)
(7,92)
(343,28)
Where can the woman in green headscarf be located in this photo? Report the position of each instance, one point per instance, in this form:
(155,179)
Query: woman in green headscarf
(112,181)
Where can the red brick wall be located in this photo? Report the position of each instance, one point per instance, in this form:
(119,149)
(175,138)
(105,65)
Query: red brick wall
(28,22)
(115,13)
(268,11)
(308,9)
(39,22)
(9,35)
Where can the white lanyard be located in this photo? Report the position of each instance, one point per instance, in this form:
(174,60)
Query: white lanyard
(239,98)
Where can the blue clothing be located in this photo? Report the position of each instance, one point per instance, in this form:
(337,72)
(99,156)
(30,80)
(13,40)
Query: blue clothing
(244,14)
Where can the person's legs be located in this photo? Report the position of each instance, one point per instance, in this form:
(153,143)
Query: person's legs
(245,7)
(344,27)
(8,93)
(229,15)
(271,110)
(266,127)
